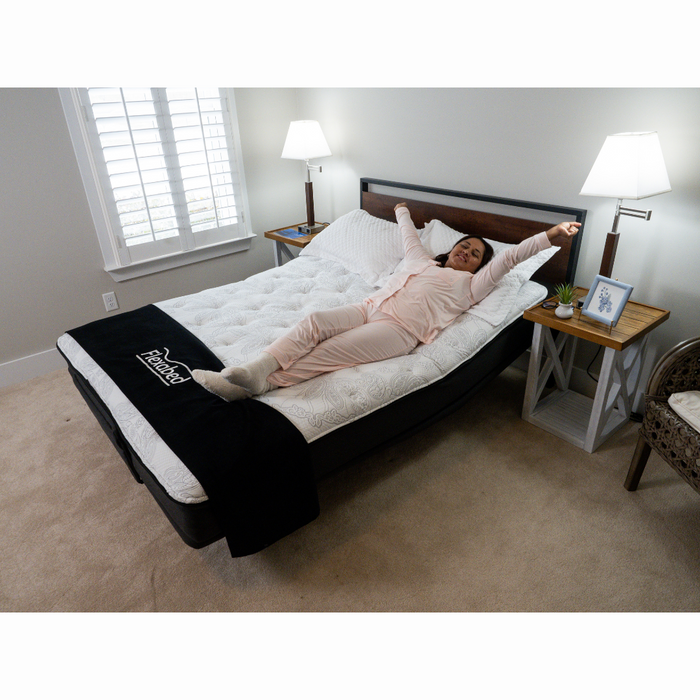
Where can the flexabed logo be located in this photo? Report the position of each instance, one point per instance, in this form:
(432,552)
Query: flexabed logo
(170,372)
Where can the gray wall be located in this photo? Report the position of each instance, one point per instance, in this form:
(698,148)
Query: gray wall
(535,144)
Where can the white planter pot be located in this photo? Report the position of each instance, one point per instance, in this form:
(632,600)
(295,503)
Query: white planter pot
(564,310)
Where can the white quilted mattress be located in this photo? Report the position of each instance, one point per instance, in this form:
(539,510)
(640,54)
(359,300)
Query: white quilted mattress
(239,320)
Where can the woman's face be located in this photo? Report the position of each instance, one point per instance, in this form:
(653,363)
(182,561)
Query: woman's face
(466,256)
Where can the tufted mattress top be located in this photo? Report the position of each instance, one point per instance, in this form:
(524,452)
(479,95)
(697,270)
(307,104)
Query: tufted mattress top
(238,320)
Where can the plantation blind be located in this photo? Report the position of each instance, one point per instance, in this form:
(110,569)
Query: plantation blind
(167,167)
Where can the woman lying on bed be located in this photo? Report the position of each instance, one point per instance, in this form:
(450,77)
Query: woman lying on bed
(412,308)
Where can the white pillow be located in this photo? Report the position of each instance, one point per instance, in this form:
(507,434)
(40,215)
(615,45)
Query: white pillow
(438,238)
(364,244)
(687,405)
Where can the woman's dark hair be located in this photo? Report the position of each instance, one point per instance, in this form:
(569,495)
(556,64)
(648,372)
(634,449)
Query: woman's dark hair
(488,252)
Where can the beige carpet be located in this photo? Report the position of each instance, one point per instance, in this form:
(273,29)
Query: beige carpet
(483,512)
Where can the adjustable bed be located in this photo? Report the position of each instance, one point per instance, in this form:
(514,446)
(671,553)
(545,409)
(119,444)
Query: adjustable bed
(247,470)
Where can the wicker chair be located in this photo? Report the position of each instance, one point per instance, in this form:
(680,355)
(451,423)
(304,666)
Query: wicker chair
(662,429)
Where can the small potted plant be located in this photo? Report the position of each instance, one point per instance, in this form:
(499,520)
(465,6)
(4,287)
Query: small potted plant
(565,295)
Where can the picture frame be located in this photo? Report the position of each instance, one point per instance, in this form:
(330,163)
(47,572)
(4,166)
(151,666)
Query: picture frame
(606,300)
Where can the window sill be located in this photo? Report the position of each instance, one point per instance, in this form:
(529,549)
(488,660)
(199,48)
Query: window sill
(188,257)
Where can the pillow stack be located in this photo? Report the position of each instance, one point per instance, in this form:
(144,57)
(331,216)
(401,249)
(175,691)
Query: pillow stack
(372,248)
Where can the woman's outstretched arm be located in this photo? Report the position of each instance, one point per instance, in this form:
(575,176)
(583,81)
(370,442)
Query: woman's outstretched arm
(490,275)
(413,248)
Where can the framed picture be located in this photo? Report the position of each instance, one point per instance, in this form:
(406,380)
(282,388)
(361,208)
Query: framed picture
(606,300)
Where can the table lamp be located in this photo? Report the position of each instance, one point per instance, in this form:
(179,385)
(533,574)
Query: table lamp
(305,140)
(629,166)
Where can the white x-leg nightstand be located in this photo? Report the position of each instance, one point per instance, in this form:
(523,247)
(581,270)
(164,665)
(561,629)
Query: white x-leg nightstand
(580,420)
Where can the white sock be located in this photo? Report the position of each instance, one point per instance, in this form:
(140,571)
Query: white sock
(253,375)
(216,384)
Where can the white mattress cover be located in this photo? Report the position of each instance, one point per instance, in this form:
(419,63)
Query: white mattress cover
(238,320)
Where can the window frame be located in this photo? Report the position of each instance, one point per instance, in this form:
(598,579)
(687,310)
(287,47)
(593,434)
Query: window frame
(90,167)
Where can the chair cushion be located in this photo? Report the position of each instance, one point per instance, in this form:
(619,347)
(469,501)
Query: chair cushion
(687,405)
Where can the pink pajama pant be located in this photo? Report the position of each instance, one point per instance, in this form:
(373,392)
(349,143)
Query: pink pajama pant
(337,338)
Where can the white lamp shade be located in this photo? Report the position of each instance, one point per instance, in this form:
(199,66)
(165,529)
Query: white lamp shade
(629,166)
(305,140)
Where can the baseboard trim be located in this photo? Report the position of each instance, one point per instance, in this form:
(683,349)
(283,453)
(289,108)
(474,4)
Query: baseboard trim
(26,368)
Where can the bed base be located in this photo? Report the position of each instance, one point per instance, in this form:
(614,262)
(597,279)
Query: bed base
(195,523)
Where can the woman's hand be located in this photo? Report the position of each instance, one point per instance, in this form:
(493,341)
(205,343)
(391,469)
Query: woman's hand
(401,204)
(565,230)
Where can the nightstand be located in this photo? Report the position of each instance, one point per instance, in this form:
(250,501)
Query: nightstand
(578,419)
(282,241)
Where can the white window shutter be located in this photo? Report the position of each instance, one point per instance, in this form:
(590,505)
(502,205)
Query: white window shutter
(167,170)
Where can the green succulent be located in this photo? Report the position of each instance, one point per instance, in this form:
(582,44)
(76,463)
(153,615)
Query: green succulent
(565,292)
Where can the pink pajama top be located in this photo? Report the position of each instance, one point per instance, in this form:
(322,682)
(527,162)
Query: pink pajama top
(425,298)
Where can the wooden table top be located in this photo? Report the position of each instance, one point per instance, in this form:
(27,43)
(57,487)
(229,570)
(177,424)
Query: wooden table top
(636,320)
(300,241)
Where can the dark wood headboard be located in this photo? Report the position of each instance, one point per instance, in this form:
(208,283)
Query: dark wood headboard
(500,226)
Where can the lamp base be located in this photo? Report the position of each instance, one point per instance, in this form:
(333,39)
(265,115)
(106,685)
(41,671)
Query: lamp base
(606,265)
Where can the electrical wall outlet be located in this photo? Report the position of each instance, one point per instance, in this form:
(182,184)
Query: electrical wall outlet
(110,300)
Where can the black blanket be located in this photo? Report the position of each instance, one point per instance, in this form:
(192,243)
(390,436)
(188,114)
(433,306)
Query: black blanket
(251,461)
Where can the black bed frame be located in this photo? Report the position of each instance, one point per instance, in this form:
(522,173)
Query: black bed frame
(195,523)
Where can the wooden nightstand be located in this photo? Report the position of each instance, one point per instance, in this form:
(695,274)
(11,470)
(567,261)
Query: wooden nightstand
(282,241)
(580,420)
